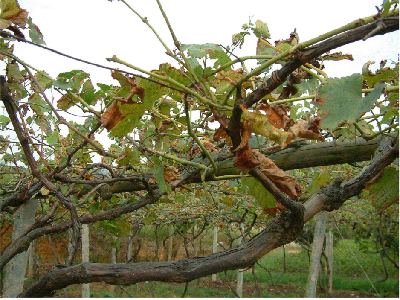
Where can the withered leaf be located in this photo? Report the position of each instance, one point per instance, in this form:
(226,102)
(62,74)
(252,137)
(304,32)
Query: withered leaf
(244,158)
(221,133)
(171,174)
(283,181)
(278,115)
(261,125)
(305,129)
(112,116)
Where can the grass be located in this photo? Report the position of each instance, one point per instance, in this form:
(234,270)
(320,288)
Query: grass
(276,282)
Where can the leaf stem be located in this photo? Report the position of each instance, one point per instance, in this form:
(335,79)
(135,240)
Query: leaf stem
(172,82)
(167,118)
(240,59)
(194,136)
(323,80)
(76,97)
(368,137)
(186,64)
(144,20)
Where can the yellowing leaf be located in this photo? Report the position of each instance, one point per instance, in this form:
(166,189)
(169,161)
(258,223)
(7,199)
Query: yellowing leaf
(260,125)
(10,10)
(4,23)
(320,180)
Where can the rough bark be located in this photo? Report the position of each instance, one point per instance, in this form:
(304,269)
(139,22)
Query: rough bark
(321,154)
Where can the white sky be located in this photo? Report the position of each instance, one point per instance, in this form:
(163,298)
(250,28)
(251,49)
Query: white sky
(96,29)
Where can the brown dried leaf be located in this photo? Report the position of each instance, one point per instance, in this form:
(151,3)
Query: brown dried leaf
(137,90)
(305,129)
(209,145)
(21,18)
(171,174)
(284,182)
(338,56)
(278,115)
(221,133)
(112,116)
(65,102)
(245,159)
(163,125)
(308,129)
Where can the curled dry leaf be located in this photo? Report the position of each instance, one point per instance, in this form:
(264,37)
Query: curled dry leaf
(163,125)
(278,115)
(283,181)
(10,10)
(244,158)
(306,129)
(209,145)
(170,174)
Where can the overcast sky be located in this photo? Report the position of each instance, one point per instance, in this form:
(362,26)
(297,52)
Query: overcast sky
(96,29)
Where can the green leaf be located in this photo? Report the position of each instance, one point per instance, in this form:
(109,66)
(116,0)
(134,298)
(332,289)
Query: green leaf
(62,84)
(340,99)
(159,175)
(221,59)
(131,157)
(320,180)
(152,92)
(104,87)
(382,75)
(195,65)
(34,33)
(174,73)
(13,72)
(238,38)
(38,104)
(385,191)
(200,50)
(259,192)
(43,79)
(88,93)
(4,120)
(373,96)
(261,30)
(52,139)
